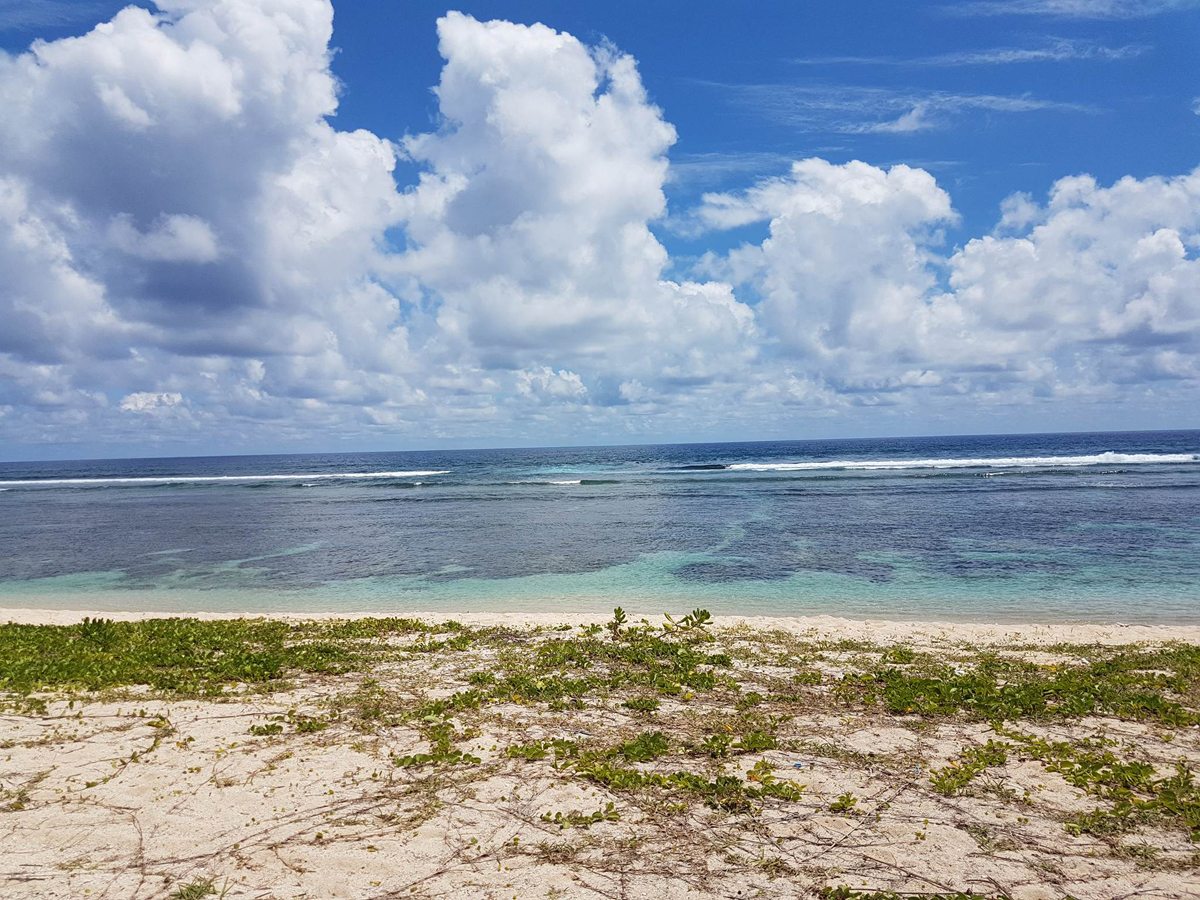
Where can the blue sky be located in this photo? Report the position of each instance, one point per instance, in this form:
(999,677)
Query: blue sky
(276,237)
(1120,89)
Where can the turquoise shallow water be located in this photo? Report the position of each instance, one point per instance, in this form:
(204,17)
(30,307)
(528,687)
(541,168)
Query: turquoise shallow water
(1102,527)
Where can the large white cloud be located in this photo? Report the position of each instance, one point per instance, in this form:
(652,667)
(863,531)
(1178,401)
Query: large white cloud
(181,201)
(847,262)
(192,251)
(531,223)
(1095,292)
(1103,283)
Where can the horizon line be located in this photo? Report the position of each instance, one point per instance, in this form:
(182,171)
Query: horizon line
(614,446)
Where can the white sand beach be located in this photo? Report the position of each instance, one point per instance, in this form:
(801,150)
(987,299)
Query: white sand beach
(301,790)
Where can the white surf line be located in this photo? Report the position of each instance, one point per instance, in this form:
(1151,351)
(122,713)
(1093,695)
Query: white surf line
(177,479)
(543,483)
(1003,462)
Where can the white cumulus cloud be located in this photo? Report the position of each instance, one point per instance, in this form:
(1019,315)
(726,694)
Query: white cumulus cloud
(185,233)
(146,402)
(1096,290)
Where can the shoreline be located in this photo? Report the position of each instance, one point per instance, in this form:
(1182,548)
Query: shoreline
(883,631)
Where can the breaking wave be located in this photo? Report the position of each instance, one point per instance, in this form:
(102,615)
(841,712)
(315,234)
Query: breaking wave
(214,479)
(1001,462)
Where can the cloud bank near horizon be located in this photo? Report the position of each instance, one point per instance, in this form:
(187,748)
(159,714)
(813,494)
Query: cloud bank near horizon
(193,249)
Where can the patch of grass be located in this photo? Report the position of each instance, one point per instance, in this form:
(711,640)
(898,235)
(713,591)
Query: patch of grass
(716,745)
(750,700)
(844,804)
(649,745)
(458,701)
(541,749)
(1135,794)
(957,775)
(186,656)
(578,819)
(755,741)
(899,655)
(375,628)
(726,792)
(526,686)
(424,644)
(197,890)
(442,752)
(642,704)
(1130,683)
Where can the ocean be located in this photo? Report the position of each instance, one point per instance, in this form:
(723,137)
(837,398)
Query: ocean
(1049,527)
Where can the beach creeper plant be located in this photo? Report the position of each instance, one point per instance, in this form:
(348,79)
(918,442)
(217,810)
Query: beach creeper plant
(975,760)
(190,656)
(579,819)
(442,752)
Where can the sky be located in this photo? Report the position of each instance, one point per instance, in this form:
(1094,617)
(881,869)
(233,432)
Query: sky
(235,226)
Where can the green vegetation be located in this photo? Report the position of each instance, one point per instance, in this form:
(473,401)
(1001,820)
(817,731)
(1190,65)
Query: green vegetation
(442,737)
(844,804)
(696,621)
(647,746)
(716,745)
(542,749)
(579,819)
(198,890)
(1135,794)
(618,622)
(725,792)
(642,704)
(1129,683)
(954,777)
(730,696)
(755,742)
(188,656)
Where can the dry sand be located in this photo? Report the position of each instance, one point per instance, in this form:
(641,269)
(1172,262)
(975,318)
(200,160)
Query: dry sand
(127,795)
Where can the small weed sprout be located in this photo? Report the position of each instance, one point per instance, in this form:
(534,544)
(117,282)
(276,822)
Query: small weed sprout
(199,889)
(844,804)
(618,622)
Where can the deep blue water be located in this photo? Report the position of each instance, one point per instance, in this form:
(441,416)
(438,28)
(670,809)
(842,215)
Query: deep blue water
(1017,527)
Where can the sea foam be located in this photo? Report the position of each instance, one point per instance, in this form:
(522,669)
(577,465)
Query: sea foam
(544,483)
(180,479)
(1000,462)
